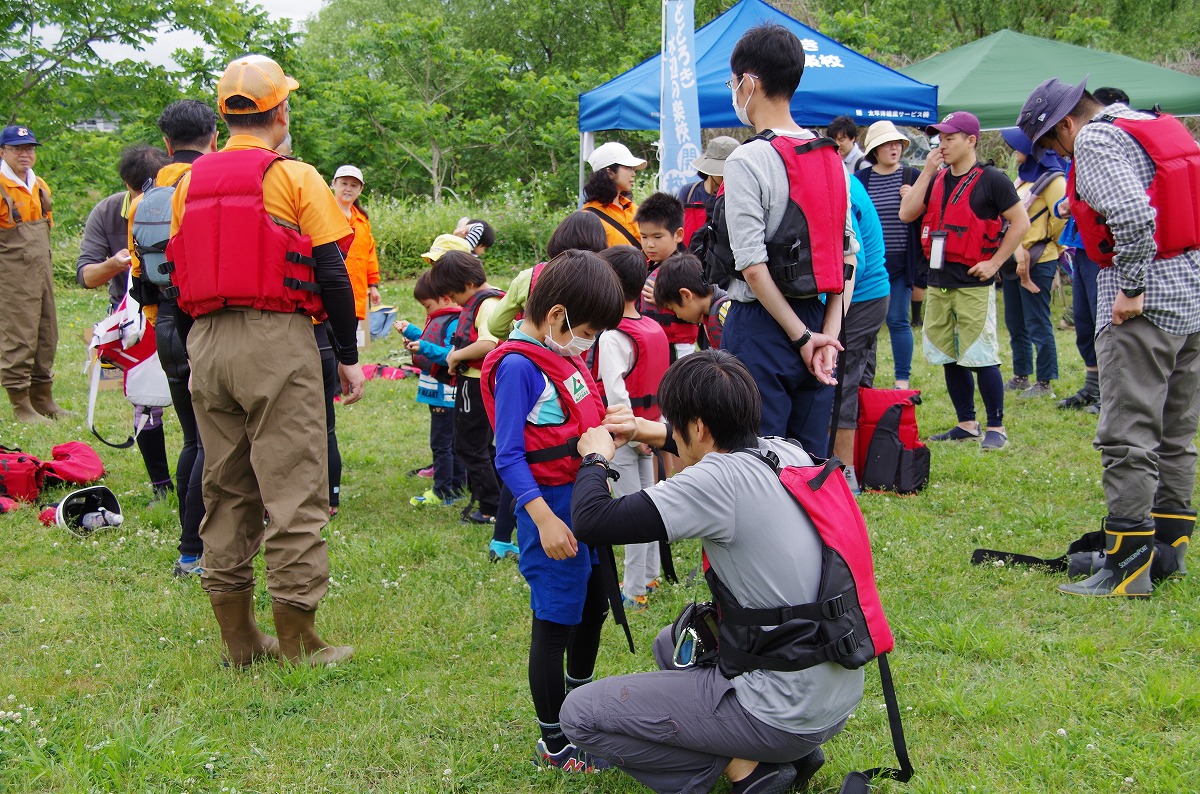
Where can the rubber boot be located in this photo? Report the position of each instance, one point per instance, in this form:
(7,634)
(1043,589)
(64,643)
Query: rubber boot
(23,410)
(41,396)
(1129,552)
(1173,526)
(298,640)
(244,642)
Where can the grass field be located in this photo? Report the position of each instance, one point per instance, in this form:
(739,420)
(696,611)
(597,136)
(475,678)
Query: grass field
(110,680)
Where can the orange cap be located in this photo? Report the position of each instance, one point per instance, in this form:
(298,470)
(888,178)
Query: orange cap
(257,78)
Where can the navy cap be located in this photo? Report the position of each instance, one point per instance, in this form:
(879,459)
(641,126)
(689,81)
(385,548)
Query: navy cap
(1049,104)
(17,136)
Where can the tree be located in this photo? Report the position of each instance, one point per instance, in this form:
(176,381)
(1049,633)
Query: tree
(51,78)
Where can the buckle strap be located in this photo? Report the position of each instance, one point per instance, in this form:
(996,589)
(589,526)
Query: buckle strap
(307,286)
(570,449)
(300,259)
(829,609)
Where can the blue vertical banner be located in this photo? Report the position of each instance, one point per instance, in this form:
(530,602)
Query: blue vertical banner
(679,112)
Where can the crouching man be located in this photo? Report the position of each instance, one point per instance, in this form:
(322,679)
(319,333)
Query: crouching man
(681,729)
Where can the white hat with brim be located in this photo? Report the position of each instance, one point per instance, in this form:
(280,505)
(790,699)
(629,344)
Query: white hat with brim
(882,132)
(349,170)
(712,162)
(613,153)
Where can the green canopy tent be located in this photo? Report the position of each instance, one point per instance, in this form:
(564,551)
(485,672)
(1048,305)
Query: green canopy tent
(993,76)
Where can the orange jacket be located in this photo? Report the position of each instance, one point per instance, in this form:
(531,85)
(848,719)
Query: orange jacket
(29,205)
(362,263)
(622,210)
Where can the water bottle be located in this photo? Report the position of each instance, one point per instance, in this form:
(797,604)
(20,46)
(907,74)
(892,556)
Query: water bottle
(101,518)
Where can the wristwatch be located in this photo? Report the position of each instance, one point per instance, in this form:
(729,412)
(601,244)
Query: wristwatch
(1133,293)
(802,341)
(595,458)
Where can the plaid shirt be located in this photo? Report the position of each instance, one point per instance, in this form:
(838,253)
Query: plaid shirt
(1112,174)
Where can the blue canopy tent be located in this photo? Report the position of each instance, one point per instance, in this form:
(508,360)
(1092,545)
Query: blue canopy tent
(837,82)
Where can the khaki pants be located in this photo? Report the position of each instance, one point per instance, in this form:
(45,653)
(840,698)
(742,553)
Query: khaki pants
(260,410)
(28,323)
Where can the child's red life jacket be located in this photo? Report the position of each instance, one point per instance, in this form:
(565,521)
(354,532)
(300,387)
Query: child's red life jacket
(230,252)
(466,333)
(435,333)
(535,272)
(550,450)
(651,357)
(694,213)
(73,463)
(806,255)
(969,238)
(679,332)
(1174,191)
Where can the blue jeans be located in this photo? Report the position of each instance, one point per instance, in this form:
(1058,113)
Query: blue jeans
(1027,315)
(899,327)
(1083,296)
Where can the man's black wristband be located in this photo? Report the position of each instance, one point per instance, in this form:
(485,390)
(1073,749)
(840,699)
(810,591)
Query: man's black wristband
(797,344)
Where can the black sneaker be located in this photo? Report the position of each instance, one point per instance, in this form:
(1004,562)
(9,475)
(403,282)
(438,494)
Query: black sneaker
(1079,400)
(1017,383)
(476,516)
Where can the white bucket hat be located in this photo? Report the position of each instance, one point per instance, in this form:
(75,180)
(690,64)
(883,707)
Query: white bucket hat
(882,132)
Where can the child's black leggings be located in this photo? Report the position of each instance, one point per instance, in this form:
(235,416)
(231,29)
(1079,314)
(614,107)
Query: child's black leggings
(579,643)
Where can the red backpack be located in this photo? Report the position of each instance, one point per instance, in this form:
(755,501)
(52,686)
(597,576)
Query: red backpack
(74,463)
(19,475)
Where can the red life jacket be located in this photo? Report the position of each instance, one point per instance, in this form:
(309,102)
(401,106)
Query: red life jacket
(1174,191)
(694,214)
(435,333)
(806,255)
(466,333)
(679,332)
(550,450)
(536,271)
(230,252)
(845,624)
(651,357)
(969,238)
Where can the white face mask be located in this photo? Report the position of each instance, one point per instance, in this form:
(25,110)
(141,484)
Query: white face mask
(740,110)
(576,347)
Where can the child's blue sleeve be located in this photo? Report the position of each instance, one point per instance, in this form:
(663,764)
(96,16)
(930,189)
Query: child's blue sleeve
(519,383)
(435,353)
(412,332)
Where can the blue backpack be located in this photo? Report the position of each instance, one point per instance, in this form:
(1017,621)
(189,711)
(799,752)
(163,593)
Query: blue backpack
(152,232)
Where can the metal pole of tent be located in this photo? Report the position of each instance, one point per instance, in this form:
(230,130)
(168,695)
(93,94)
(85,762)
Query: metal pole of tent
(587,144)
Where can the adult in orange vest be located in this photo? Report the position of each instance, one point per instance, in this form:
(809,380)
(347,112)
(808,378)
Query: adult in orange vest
(255,248)
(362,262)
(28,324)
(609,192)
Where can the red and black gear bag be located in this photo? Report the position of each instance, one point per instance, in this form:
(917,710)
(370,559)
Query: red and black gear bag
(435,333)
(695,215)
(888,453)
(19,475)
(845,624)
(806,255)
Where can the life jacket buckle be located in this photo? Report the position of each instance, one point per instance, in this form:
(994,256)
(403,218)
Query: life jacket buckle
(833,608)
(847,644)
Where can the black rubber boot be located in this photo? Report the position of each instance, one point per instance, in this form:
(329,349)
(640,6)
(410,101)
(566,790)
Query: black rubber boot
(1173,526)
(1129,552)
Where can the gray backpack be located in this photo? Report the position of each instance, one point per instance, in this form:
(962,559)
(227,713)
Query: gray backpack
(152,231)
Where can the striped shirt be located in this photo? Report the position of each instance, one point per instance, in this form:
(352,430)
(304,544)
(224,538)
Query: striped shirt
(1112,174)
(884,191)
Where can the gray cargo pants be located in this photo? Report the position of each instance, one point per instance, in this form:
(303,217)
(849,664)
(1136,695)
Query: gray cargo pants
(675,730)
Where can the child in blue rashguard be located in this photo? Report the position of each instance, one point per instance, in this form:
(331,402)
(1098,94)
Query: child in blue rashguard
(540,397)
(435,388)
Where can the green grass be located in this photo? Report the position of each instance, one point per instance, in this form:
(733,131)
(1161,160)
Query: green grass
(1007,686)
